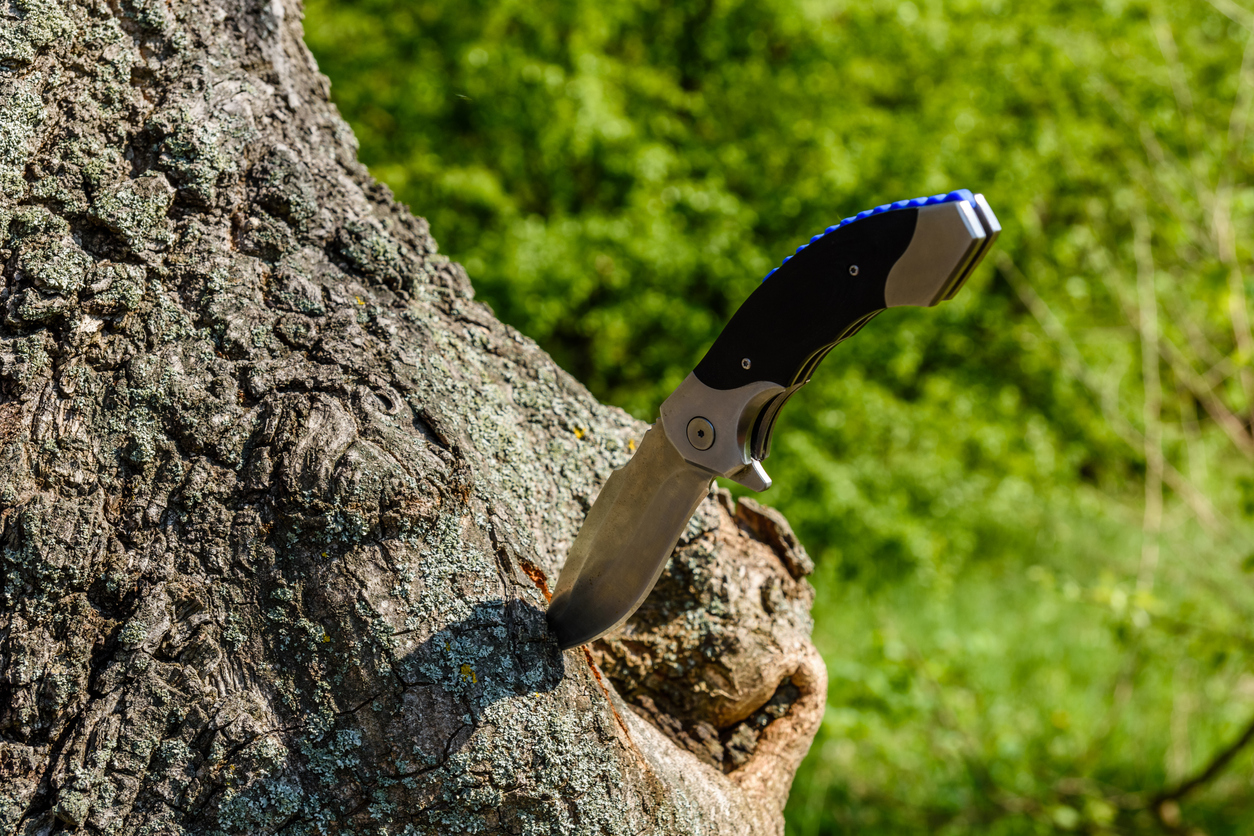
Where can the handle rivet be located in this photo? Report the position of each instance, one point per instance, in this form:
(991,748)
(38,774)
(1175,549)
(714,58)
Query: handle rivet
(853,269)
(746,363)
(700,433)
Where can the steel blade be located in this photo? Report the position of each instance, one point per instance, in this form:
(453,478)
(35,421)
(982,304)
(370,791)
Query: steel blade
(624,543)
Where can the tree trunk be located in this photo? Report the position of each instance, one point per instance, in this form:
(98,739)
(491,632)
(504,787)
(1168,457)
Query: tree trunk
(280,502)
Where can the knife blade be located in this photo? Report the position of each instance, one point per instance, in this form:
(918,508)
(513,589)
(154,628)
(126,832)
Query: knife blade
(720,420)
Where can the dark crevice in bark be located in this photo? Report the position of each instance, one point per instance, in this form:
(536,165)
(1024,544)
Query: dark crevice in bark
(45,799)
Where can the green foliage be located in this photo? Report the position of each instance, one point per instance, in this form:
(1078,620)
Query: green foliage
(1018,643)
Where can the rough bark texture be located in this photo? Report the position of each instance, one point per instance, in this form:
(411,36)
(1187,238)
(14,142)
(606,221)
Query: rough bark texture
(279,500)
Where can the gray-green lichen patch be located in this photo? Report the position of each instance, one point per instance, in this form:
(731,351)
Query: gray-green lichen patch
(26,361)
(262,789)
(367,248)
(285,187)
(30,306)
(150,14)
(199,152)
(20,768)
(49,268)
(32,224)
(115,288)
(23,115)
(55,266)
(28,27)
(136,210)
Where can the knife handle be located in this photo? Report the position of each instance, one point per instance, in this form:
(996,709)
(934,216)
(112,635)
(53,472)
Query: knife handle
(913,252)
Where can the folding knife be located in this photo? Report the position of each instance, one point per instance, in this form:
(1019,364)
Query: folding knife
(720,419)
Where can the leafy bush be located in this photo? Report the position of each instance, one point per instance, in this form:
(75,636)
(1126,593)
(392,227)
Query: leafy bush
(1030,506)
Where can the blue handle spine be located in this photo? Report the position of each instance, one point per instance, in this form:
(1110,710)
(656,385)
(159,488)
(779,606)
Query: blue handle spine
(918,202)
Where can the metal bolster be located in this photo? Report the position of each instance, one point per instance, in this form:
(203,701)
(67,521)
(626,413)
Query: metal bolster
(950,240)
(992,228)
(946,239)
(733,414)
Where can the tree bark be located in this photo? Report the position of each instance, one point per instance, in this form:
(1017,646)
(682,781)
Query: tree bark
(280,501)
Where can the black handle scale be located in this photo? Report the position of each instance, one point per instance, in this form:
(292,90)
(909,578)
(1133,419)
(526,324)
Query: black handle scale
(809,304)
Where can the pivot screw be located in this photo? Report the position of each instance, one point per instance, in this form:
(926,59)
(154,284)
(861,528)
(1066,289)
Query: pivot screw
(853,269)
(746,363)
(700,433)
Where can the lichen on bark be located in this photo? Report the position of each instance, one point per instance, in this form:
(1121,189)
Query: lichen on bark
(279,500)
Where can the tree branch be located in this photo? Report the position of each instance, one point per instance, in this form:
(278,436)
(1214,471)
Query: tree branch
(1207,773)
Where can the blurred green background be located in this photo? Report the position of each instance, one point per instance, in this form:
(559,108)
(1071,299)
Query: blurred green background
(1032,508)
